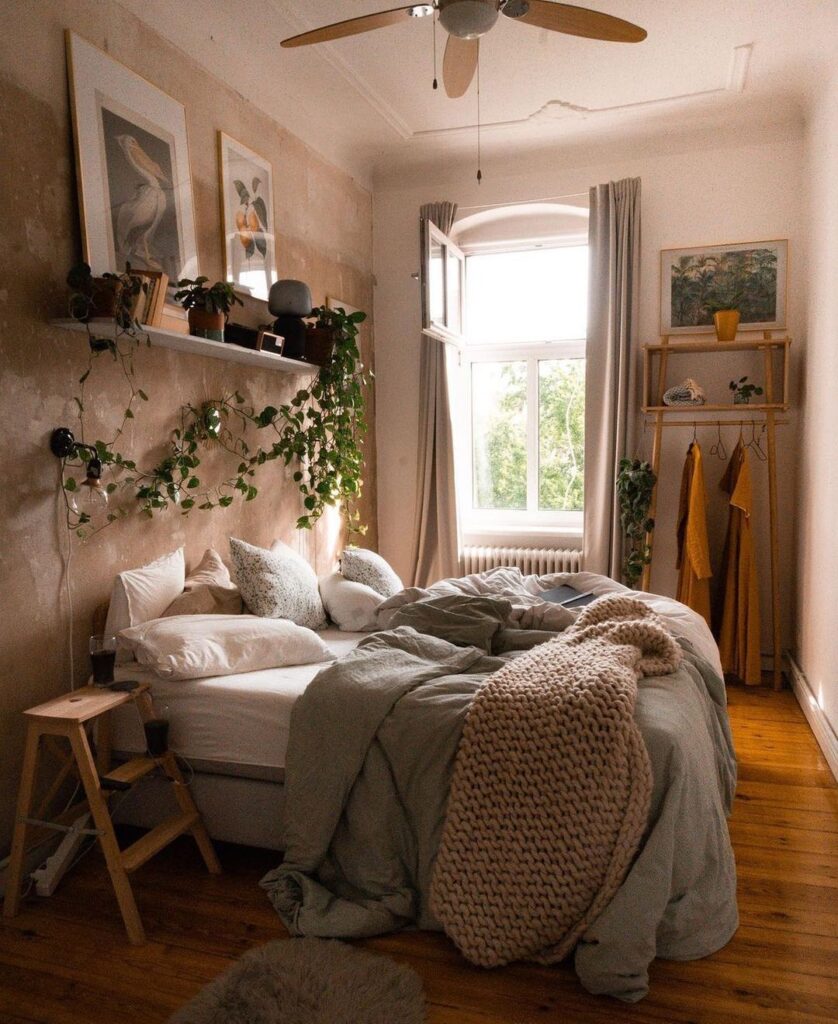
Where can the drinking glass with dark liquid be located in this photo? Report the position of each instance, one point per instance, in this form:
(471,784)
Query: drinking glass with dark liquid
(102,658)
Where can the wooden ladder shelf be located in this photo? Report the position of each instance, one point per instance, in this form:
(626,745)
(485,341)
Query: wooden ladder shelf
(764,412)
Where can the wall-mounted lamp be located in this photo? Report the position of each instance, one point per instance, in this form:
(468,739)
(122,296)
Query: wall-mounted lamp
(90,497)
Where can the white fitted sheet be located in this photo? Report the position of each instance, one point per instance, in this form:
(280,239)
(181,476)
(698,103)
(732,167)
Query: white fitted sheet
(236,724)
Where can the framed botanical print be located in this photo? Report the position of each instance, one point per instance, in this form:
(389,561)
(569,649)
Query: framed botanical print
(748,276)
(247,217)
(132,162)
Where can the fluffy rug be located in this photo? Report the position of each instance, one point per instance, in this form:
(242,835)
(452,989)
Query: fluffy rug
(309,981)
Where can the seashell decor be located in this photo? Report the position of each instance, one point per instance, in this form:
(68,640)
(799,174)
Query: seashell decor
(688,392)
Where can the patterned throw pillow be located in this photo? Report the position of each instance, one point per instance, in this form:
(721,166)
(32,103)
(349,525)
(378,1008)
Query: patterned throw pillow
(362,566)
(277,584)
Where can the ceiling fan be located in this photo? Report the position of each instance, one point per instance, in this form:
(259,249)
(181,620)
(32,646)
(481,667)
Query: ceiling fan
(466,21)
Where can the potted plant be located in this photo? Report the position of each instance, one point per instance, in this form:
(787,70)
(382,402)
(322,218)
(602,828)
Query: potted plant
(208,308)
(725,310)
(320,339)
(109,297)
(635,486)
(324,422)
(742,391)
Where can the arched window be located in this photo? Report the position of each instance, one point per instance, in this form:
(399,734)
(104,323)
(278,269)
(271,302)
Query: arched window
(521,384)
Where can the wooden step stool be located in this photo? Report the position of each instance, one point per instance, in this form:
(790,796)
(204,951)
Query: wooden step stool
(66,716)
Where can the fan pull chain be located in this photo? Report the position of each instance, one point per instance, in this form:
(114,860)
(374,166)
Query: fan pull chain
(479,160)
(436,83)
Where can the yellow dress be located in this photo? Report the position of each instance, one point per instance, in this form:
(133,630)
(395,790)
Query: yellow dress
(739,632)
(694,570)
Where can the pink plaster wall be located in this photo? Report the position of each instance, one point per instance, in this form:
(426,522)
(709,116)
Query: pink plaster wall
(324,232)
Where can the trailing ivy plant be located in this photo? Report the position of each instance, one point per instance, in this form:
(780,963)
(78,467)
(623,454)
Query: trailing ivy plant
(321,427)
(324,424)
(635,485)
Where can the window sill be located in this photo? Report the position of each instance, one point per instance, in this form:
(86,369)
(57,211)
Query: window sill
(524,536)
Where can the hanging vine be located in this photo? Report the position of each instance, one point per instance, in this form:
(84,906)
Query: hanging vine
(320,427)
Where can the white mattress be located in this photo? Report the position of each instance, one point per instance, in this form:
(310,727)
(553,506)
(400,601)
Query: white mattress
(235,725)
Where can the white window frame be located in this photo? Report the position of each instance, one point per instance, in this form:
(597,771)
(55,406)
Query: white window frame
(498,526)
(442,329)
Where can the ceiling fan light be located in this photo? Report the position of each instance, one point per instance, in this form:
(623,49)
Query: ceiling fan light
(420,10)
(468,19)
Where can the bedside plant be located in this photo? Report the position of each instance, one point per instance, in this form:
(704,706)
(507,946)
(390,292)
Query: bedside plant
(208,308)
(742,391)
(635,484)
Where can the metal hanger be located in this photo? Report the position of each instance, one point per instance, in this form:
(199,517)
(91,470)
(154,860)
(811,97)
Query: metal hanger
(754,443)
(718,448)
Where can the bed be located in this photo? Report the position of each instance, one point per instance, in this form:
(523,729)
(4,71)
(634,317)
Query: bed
(233,733)
(360,828)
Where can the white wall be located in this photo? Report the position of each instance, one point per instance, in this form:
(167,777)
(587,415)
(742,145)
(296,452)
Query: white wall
(693,194)
(817,552)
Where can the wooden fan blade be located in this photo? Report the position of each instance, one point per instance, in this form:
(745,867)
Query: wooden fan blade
(577,21)
(459,65)
(351,27)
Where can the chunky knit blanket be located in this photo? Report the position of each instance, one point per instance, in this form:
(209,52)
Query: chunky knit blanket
(551,788)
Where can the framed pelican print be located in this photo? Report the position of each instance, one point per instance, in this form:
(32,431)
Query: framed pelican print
(247,217)
(132,166)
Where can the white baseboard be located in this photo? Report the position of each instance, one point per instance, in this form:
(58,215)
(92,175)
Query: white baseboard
(820,725)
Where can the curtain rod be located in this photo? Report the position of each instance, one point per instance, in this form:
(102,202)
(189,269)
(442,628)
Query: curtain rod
(527,202)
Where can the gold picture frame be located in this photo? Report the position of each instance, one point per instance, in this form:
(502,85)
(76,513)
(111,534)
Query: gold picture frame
(697,279)
(246,198)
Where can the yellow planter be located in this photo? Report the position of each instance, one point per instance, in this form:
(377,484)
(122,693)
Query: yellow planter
(727,323)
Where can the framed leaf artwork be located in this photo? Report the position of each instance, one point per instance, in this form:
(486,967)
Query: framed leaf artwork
(132,162)
(247,217)
(747,276)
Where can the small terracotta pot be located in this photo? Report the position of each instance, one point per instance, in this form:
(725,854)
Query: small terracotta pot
(106,298)
(204,324)
(727,324)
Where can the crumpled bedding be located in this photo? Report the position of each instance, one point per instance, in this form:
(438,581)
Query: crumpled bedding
(373,743)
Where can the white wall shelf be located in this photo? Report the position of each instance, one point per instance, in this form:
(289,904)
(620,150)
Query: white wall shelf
(203,347)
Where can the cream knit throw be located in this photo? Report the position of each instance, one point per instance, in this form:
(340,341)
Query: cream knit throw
(550,790)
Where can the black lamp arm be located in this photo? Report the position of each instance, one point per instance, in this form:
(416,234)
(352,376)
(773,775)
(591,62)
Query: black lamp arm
(63,445)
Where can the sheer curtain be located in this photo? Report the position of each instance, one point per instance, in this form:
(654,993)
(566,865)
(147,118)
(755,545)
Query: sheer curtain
(610,385)
(436,549)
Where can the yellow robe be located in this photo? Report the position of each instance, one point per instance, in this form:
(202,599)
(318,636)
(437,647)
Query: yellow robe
(739,633)
(694,570)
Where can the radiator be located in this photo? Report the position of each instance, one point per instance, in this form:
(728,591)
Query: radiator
(540,561)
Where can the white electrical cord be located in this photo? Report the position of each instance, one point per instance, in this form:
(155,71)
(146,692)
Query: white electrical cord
(67,566)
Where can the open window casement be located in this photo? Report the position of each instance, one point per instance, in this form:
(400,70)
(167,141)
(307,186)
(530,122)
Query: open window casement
(442,281)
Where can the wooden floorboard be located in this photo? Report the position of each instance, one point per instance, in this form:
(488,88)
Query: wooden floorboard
(66,961)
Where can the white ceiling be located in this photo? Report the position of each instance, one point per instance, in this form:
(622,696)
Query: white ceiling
(366,103)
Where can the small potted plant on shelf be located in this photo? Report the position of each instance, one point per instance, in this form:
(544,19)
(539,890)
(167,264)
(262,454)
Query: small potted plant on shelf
(109,297)
(726,314)
(207,307)
(743,391)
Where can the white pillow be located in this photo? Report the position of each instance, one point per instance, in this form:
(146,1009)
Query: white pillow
(351,606)
(197,646)
(369,568)
(139,595)
(277,584)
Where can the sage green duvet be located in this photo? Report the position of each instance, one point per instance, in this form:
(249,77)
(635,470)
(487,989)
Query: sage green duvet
(372,746)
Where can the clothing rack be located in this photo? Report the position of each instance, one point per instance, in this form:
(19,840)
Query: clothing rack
(765,416)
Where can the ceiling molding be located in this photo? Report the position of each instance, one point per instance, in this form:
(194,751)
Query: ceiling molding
(562,110)
(331,56)
(548,114)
